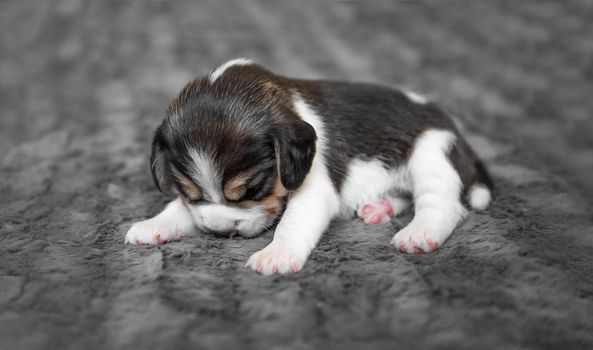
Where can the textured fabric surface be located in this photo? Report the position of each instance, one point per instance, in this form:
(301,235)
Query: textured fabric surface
(83,85)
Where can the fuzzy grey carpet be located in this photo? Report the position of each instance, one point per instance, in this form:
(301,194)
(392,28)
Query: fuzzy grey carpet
(83,85)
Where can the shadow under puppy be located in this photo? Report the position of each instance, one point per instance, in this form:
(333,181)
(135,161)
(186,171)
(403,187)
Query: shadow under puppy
(245,149)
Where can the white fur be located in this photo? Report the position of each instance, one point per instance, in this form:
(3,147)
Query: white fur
(308,212)
(398,203)
(222,68)
(366,181)
(178,220)
(436,189)
(416,97)
(479,197)
(172,223)
(216,217)
(204,174)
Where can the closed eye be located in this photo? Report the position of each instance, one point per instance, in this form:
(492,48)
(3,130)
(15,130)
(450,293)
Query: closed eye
(250,184)
(257,190)
(187,188)
(197,201)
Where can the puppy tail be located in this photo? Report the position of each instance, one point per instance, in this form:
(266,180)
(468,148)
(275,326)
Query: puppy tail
(480,192)
(479,197)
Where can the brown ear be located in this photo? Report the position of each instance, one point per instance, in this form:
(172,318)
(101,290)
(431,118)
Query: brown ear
(159,165)
(294,142)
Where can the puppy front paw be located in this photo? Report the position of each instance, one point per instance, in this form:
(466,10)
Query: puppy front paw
(153,232)
(417,239)
(277,258)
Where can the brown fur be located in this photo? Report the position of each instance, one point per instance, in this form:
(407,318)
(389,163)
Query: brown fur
(236,187)
(189,188)
(273,203)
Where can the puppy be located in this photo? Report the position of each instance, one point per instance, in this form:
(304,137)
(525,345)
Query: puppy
(245,149)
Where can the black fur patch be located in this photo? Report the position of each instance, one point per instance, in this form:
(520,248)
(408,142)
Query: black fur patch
(161,176)
(370,121)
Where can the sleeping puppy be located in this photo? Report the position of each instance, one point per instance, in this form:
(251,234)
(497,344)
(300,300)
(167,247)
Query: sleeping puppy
(245,149)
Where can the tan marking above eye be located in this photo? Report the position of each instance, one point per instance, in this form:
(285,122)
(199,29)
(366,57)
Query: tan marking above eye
(191,189)
(235,188)
(272,203)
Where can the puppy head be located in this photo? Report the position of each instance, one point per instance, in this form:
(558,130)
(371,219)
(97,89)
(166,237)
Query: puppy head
(233,150)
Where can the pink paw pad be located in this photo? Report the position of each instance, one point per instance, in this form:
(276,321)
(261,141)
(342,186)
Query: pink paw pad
(376,213)
(294,267)
(160,240)
(432,245)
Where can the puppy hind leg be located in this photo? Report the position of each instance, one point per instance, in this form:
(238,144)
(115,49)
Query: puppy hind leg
(382,210)
(436,189)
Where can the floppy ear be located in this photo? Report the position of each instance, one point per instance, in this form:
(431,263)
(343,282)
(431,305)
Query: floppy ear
(158,164)
(294,142)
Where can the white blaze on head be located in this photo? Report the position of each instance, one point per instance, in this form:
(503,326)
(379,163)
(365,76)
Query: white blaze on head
(221,69)
(217,216)
(204,173)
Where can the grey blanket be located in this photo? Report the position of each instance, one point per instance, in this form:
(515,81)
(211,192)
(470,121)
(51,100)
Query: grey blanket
(84,84)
